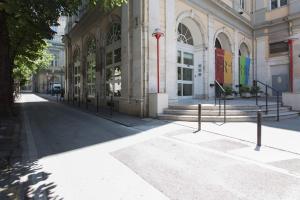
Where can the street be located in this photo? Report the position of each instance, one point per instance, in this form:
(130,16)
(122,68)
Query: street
(71,154)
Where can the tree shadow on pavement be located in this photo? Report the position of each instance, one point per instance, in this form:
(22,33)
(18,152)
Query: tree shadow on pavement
(25,180)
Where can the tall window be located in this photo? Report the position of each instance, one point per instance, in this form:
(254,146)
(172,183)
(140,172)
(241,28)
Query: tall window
(113,61)
(185,62)
(76,72)
(242,4)
(184,35)
(91,67)
(278,3)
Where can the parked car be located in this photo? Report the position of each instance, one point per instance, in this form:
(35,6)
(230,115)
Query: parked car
(56,88)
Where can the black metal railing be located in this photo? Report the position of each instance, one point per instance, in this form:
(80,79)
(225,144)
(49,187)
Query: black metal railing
(219,92)
(255,82)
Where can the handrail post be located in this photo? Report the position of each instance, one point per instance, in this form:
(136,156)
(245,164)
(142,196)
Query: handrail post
(267,110)
(278,106)
(215,94)
(219,106)
(256,97)
(224,108)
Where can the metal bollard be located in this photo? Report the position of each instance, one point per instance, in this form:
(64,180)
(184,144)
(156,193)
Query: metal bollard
(79,100)
(97,103)
(111,105)
(86,101)
(199,117)
(259,118)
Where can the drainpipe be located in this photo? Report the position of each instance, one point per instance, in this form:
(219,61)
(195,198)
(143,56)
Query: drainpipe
(290,42)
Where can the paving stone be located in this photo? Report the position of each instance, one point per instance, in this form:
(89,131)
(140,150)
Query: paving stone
(223,145)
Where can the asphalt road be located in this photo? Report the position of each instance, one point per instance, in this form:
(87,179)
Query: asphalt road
(70,154)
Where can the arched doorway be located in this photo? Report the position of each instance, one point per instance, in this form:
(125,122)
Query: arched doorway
(189,57)
(244,65)
(91,67)
(223,60)
(113,61)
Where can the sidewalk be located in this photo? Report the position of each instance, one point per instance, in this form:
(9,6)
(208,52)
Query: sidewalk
(283,135)
(106,113)
(10,155)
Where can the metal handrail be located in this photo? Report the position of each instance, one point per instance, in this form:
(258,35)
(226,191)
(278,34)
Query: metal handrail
(267,99)
(217,84)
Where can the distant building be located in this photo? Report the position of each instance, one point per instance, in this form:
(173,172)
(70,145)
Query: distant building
(231,41)
(44,79)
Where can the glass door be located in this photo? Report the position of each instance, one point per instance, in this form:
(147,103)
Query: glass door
(185,71)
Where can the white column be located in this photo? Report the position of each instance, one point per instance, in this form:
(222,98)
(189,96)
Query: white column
(154,22)
(210,69)
(171,52)
(262,67)
(125,48)
(236,70)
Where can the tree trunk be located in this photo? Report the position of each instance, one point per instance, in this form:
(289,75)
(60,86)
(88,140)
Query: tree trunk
(6,81)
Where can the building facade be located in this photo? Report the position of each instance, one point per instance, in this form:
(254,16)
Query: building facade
(115,54)
(44,79)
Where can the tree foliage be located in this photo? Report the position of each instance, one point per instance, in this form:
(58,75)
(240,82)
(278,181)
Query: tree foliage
(26,66)
(24,27)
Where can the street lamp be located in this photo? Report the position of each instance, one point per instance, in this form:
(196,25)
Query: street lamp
(158,34)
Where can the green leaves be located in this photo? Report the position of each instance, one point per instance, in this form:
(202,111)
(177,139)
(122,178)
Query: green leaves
(29,63)
(29,23)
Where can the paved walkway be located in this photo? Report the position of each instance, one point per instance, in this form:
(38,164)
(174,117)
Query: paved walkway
(283,135)
(71,154)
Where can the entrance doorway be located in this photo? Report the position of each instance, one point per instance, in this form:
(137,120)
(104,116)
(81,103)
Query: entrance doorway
(185,62)
(185,71)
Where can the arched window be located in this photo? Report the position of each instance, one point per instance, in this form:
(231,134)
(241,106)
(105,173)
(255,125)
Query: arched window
(76,72)
(113,61)
(114,34)
(91,67)
(184,35)
(218,44)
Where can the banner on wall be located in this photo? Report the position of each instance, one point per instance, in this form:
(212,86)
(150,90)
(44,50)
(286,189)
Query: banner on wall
(219,62)
(227,68)
(244,70)
(247,71)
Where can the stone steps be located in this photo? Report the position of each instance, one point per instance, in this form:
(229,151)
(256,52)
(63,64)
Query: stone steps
(234,113)
(244,118)
(228,112)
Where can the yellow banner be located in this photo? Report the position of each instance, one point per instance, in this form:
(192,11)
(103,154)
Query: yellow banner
(227,68)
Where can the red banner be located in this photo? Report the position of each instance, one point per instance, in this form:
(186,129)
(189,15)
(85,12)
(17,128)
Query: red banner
(219,71)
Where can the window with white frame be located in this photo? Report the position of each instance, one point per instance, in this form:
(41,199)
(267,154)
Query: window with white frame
(76,72)
(91,67)
(242,4)
(113,61)
(184,35)
(278,3)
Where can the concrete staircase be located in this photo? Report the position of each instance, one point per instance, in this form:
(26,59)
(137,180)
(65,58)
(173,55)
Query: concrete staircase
(234,113)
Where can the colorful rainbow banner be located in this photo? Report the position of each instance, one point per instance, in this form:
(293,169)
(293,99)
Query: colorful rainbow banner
(245,63)
(227,68)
